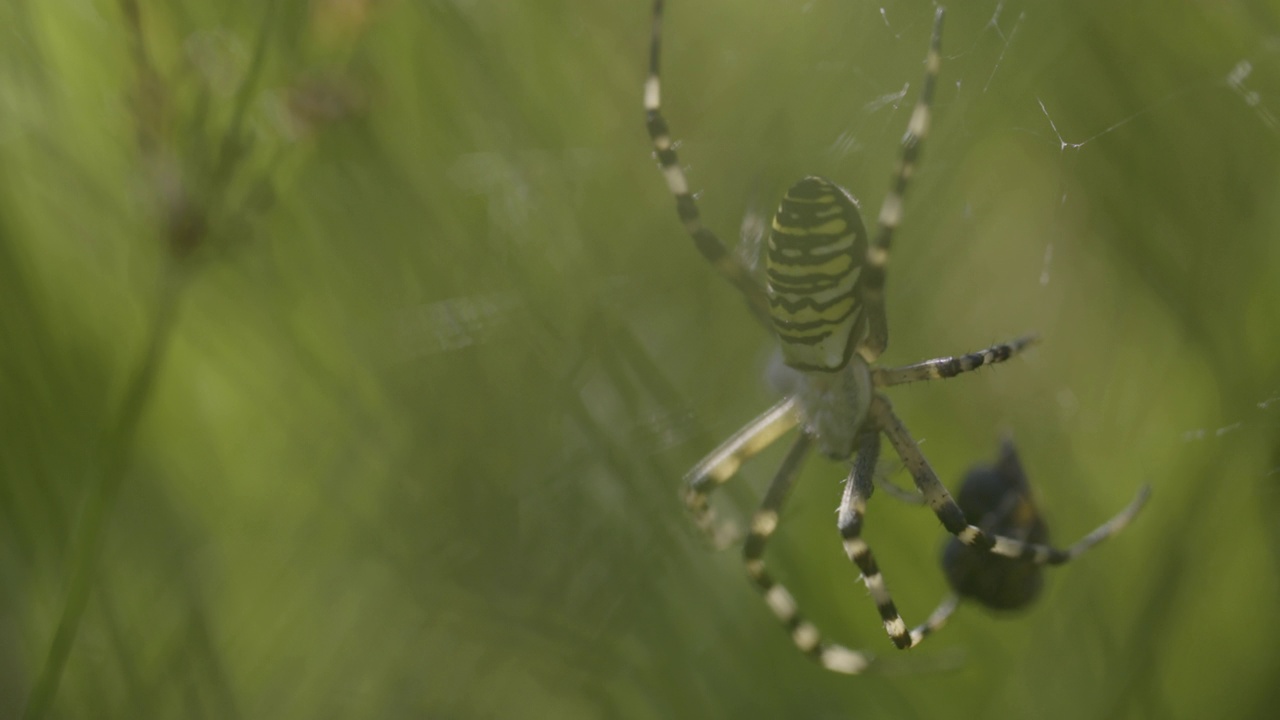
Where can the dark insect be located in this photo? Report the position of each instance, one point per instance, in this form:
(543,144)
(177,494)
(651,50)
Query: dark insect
(997,499)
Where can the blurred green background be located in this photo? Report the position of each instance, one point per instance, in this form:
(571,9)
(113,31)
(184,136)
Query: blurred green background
(351,354)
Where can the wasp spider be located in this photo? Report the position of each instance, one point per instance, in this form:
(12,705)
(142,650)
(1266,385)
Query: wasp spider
(824,299)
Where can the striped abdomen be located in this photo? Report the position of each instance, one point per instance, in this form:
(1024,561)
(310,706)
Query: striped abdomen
(817,248)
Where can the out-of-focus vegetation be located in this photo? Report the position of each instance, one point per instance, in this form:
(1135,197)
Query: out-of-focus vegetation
(351,353)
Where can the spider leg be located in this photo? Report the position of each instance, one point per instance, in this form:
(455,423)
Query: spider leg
(853,507)
(949,367)
(707,242)
(890,217)
(725,461)
(936,620)
(804,634)
(1110,527)
(901,494)
(952,517)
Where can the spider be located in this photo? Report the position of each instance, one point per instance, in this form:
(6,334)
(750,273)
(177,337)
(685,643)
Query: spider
(823,297)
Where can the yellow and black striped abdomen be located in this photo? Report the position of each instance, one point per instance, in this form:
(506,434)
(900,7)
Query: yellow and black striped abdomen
(817,248)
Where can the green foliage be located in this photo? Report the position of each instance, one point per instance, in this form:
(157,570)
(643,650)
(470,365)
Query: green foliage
(351,353)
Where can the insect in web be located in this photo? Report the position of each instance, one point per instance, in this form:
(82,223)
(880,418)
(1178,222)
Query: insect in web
(823,297)
(997,498)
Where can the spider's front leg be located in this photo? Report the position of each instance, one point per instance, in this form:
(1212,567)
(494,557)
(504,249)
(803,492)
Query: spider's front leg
(781,602)
(724,462)
(853,507)
(721,466)
(952,517)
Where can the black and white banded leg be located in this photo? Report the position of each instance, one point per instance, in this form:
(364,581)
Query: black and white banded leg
(803,633)
(891,209)
(952,517)
(722,465)
(949,367)
(707,242)
(725,461)
(853,508)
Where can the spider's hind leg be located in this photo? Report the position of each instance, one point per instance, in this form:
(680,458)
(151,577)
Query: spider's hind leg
(708,243)
(890,217)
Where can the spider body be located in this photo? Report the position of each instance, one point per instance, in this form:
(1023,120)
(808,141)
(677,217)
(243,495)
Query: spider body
(823,299)
(833,405)
(813,265)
